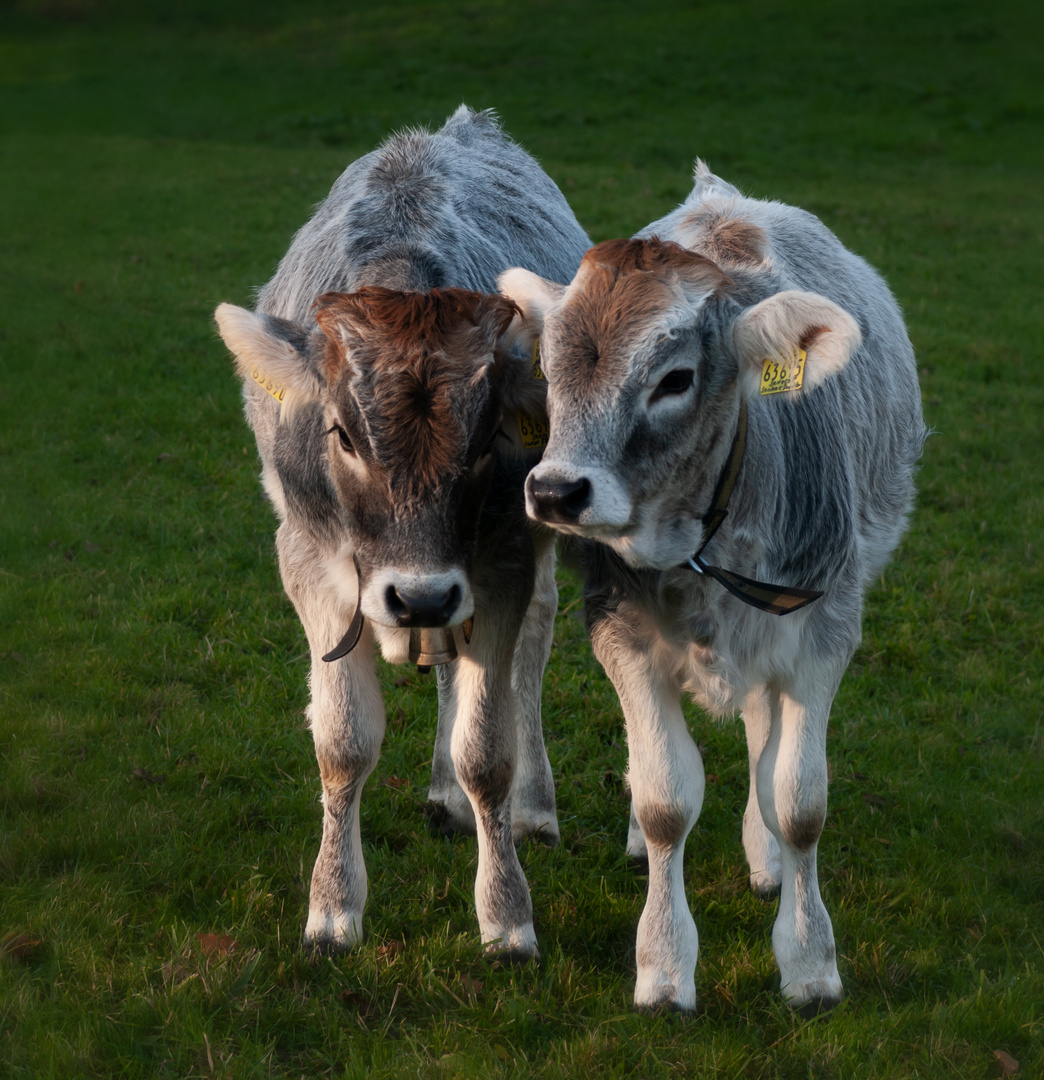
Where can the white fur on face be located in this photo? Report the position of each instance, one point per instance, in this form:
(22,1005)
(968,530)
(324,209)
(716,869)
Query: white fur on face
(658,541)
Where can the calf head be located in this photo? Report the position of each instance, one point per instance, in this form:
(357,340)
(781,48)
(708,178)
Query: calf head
(413,388)
(647,354)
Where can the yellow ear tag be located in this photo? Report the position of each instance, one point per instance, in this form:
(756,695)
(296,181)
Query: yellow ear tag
(777,378)
(534,432)
(266,384)
(538,371)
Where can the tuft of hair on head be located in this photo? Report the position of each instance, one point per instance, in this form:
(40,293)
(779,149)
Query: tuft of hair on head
(660,257)
(438,320)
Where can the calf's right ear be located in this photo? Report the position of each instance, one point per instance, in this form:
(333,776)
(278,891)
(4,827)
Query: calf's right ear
(535,296)
(267,356)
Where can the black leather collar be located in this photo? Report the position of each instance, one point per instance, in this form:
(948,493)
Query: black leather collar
(775,599)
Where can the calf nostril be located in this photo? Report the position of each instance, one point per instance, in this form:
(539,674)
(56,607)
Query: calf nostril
(396,605)
(576,497)
(451,603)
(564,501)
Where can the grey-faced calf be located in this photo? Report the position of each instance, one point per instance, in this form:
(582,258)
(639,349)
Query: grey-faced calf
(735,421)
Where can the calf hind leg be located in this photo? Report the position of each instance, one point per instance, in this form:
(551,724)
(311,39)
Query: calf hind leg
(760,846)
(449,809)
(533,809)
(792,793)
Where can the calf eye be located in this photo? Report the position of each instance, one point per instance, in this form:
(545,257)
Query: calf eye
(346,443)
(673,383)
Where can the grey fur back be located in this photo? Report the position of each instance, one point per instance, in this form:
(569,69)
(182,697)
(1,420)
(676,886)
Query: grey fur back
(429,209)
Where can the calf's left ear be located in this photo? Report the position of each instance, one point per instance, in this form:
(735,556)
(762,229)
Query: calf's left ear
(267,355)
(779,326)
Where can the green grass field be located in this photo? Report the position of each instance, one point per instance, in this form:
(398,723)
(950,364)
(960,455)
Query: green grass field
(157,782)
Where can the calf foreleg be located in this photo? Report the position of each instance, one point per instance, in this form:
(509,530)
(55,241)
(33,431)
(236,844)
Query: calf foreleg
(483,749)
(346,715)
(667,782)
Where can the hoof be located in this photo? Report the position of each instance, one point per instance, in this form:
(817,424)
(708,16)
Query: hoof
(443,822)
(511,957)
(545,835)
(316,948)
(670,1008)
(765,890)
(816,1007)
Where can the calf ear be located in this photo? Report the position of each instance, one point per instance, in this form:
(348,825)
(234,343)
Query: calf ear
(778,327)
(269,354)
(534,296)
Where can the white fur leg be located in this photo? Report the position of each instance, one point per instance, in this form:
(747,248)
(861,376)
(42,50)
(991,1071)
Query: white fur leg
(792,789)
(452,806)
(759,844)
(667,782)
(483,748)
(533,809)
(346,715)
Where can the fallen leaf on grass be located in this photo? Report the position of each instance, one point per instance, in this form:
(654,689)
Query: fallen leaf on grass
(20,947)
(712,778)
(148,777)
(1008,1065)
(390,951)
(394,782)
(215,944)
(471,986)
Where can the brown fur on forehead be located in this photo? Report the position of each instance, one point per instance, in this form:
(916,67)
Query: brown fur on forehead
(726,239)
(418,414)
(623,287)
(455,321)
(663,258)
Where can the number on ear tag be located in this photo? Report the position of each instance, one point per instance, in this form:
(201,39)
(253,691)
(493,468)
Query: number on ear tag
(777,378)
(533,431)
(266,384)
